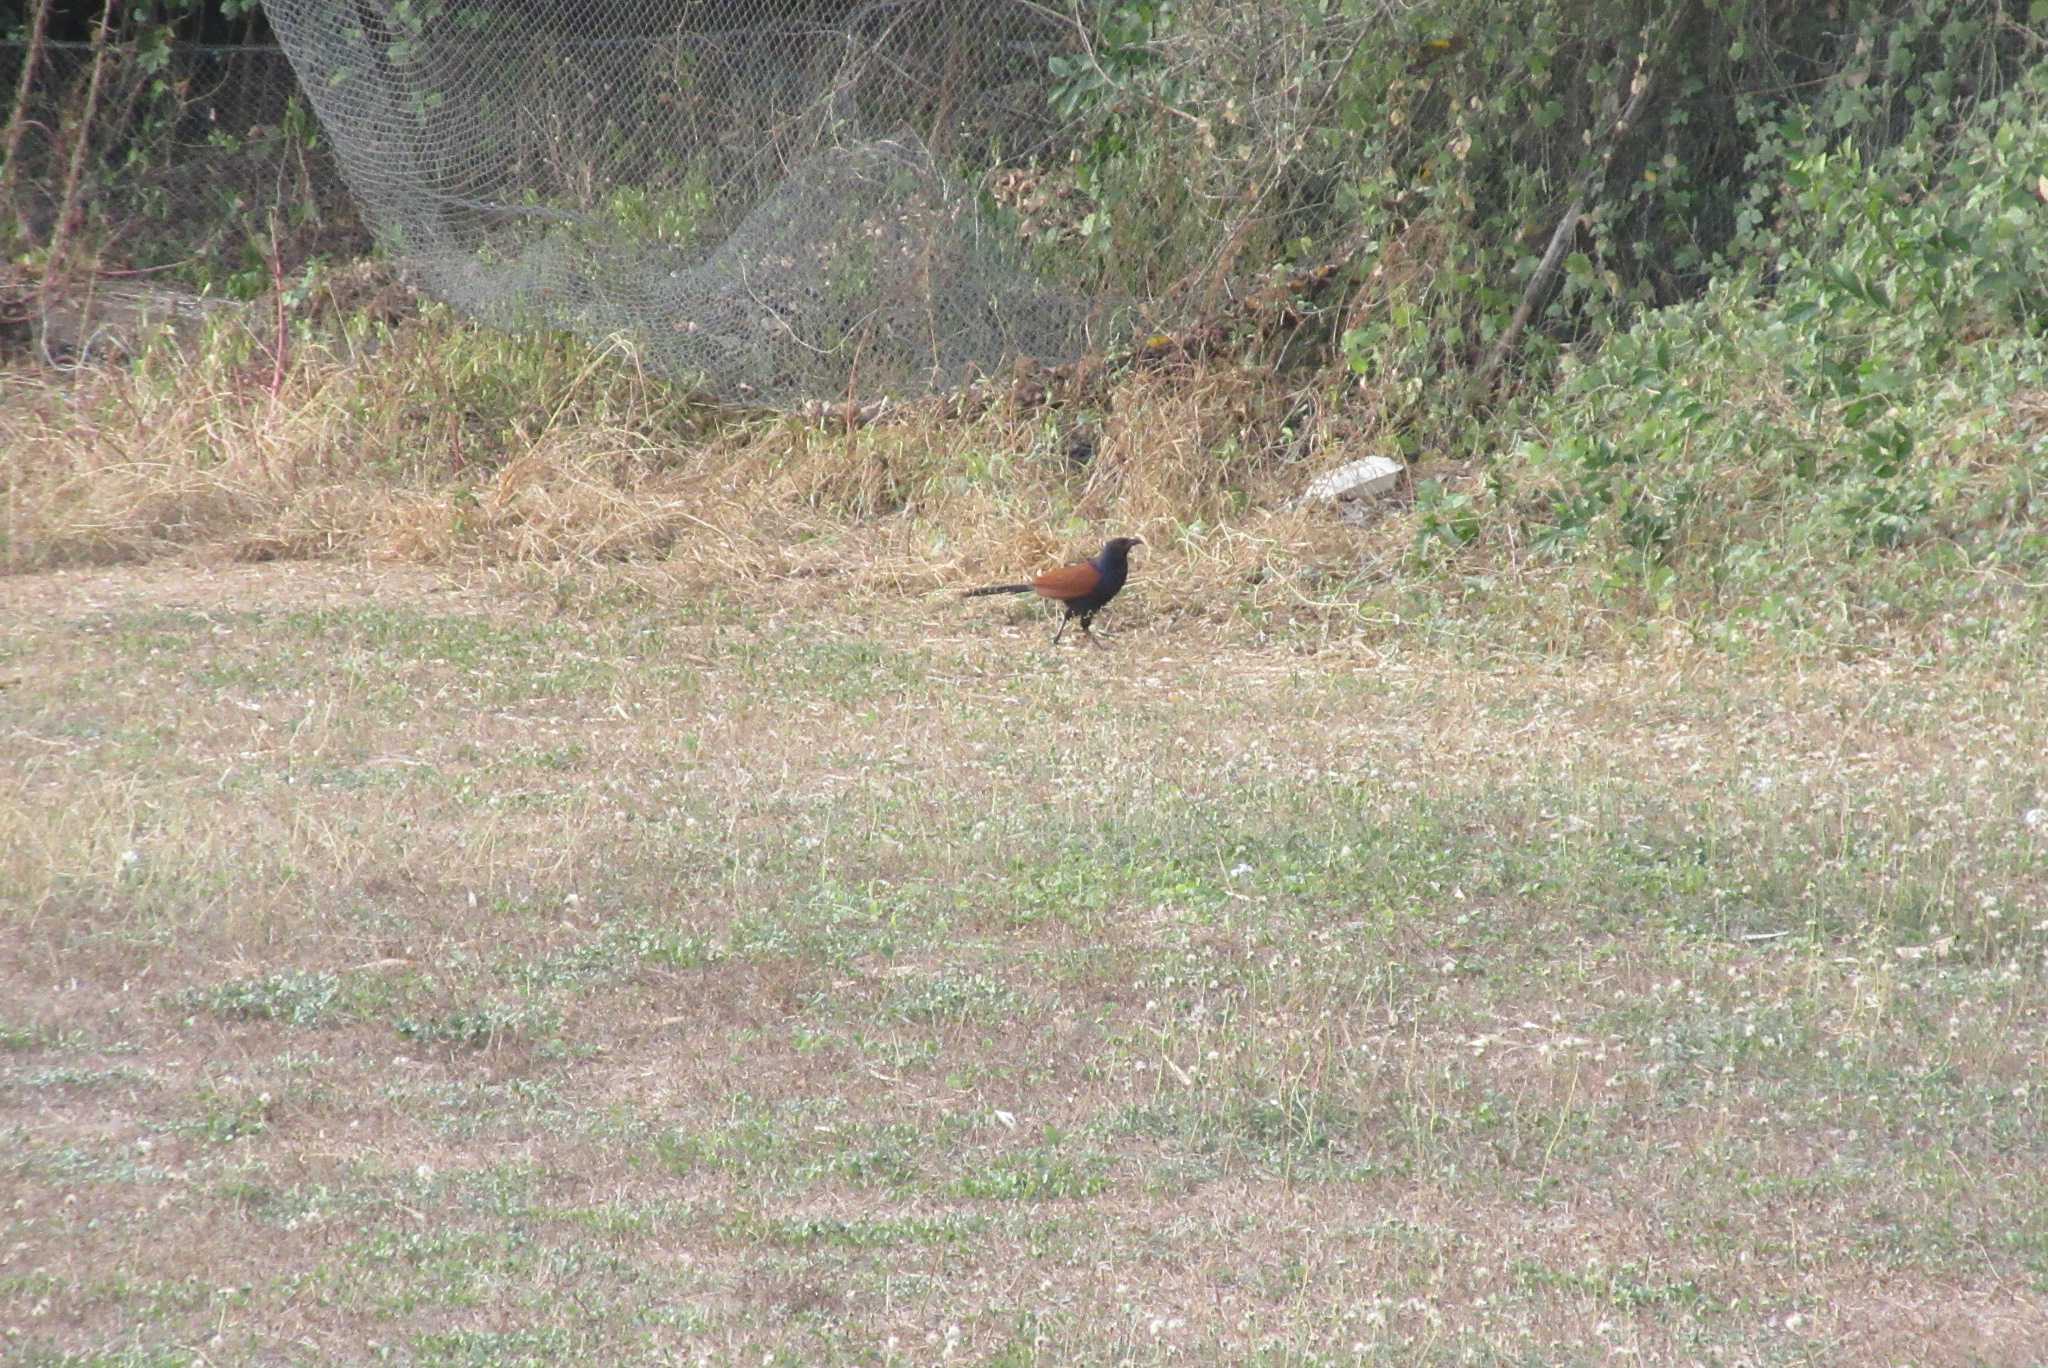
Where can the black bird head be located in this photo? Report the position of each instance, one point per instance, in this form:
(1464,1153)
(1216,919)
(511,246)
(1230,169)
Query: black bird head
(1117,548)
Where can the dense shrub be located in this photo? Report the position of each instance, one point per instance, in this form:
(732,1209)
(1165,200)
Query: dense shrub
(1872,370)
(1437,145)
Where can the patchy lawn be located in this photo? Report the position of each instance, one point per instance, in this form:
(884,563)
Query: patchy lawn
(461,970)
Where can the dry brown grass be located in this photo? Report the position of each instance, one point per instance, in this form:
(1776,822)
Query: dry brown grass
(737,979)
(436,444)
(430,442)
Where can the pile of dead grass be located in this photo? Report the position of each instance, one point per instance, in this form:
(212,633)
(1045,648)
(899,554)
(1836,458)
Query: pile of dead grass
(433,442)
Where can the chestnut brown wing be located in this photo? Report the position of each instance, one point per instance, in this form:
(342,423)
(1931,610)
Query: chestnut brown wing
(1068,583)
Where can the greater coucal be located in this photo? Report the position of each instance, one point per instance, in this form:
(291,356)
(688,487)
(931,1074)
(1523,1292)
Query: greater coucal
(1082,588)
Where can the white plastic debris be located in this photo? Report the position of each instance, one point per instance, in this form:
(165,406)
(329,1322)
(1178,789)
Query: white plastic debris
(1358,479)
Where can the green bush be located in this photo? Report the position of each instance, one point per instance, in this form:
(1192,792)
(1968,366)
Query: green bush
(1860,399)
(1847,433)
(1436,148)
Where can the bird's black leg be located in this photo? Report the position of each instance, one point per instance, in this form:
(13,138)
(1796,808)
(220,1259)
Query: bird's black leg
(1087,618)
(1064,620)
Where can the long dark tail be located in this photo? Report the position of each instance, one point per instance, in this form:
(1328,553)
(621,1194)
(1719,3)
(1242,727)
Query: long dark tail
(998,589)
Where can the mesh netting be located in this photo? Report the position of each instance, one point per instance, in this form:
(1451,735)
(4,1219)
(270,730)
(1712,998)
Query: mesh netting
(205,161)
(773,200)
